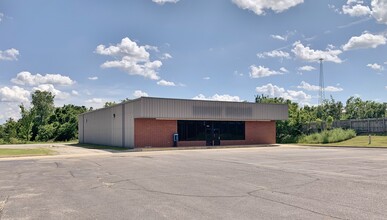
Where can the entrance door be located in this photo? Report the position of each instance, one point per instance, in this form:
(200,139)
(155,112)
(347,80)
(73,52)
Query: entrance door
(209,137)
(216,137)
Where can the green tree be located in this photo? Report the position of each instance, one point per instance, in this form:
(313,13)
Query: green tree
(329,121)
(43,107)
(10,130)
(25,123)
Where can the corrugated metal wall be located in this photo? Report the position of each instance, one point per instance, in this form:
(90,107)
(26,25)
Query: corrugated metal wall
(197,109)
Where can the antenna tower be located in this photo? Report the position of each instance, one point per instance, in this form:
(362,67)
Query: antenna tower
(321,94)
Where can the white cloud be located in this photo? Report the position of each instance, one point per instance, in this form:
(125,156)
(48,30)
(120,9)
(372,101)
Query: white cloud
(274,53)
(379,10)
(310,55)
(26,78)
(306,68)
(283,69)
(165,83)
(50,88)
(95,101)
(279,37)
(206,78)
(133,59)
(74,92)
(261,71)
(161,2)
(375,67)
(276,91)
(1,17)
(356,9)
(217,97)
(9,55)
(93,78)
(166,56)
(259,6)
(306,86)
(14,94)
(365,40)
(139,93)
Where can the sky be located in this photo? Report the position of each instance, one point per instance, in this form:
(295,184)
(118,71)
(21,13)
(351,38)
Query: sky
(90,52)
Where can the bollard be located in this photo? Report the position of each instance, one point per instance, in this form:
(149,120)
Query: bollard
(369,139)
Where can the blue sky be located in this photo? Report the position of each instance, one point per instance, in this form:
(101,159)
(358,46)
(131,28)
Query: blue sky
(89,52)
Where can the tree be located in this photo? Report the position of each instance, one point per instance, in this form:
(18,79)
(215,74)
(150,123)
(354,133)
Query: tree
(108,104)
(10,130)
(329,121)
(43,107)
(25,123)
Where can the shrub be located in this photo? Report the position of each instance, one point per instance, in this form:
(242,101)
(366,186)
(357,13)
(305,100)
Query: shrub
(331,136)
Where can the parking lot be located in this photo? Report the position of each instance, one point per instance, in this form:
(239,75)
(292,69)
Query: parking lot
(242,183)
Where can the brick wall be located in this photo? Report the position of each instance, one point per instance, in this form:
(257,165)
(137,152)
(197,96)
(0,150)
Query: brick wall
(154,133)
(158,133)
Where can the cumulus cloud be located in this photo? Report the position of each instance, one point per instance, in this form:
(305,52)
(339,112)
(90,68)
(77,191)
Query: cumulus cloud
(276,91)
(274,53)
(93,78)
(379,10)
(95,101)
(261,71)
(306,68)
(206,78)
(356,9)
(166,56)
(139,93)
(14,94)
(161,2)
(217,97)
(307,54)
(1,17)
(375,66)
(364,41)
(259,6)
(26,78)
(165,83)
(306,86)
(50,88)
(283,69)
(10,54)
(131,58)
(74,92)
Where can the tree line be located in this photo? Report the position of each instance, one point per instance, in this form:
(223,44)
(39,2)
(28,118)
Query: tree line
(42,122)
(330,110)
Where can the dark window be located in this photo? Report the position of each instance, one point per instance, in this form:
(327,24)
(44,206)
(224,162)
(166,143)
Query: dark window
(196,130)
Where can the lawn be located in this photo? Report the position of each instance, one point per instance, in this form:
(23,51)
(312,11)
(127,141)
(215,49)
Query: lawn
(12,152)
(362,141)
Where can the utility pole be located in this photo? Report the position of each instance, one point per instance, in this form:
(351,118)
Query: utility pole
(321,95)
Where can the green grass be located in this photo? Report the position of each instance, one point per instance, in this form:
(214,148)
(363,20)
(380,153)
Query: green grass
(11,152)
(362,141)
(328,136)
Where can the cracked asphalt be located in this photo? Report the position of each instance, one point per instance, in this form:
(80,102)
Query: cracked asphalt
(243,183)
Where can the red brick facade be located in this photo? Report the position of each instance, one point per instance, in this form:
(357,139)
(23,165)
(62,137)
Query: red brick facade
(158,133)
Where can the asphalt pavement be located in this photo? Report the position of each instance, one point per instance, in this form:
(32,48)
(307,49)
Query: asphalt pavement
(242,183)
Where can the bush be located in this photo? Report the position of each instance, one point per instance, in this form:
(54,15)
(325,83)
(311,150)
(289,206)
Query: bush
(331,136)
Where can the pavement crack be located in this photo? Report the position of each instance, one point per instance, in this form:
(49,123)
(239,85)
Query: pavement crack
(2,205)
(294,206)
(71,173)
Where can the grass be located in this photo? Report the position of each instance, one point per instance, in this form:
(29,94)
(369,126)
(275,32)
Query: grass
(11,152)
(362,141)
(328,136)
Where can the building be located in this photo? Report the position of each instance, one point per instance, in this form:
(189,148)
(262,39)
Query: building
(152,122)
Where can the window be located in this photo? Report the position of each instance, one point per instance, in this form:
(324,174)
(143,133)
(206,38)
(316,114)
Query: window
(196,130)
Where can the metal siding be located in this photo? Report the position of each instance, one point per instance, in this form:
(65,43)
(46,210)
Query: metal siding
(197,109)
(80,129)
(129,124)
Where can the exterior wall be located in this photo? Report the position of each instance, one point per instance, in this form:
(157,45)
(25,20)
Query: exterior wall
(100,127)
(209,110)
(154,133)
(158,133)
(129,125)
(80,128)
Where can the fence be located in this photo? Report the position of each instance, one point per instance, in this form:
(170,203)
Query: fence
(372,125)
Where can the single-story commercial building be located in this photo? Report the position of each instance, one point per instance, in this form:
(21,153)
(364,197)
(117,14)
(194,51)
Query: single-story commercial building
(163,122)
